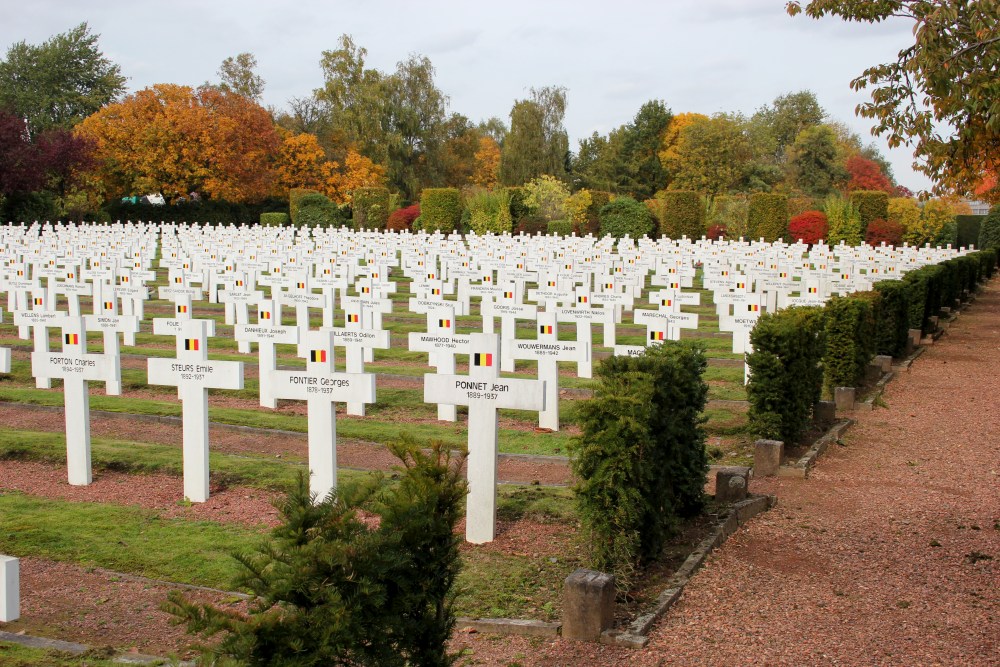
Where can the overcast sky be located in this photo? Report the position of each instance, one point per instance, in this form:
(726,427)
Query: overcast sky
(695,55)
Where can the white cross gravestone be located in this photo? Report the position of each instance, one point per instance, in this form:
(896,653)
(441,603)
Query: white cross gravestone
(110,325)
(193,374)
(267,333)
(548,350)
(75,367)
(357,340)
(321,388)
(584,317)
(4,354)
(10,589)
(509,307)
(441,343)
(484,391)
(39,319)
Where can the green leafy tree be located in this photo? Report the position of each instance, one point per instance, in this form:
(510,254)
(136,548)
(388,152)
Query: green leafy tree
(643,173)
(626,217)
(329,588)
(787,117)
(941,95)
(60,82)
(712,155)
(239,75)
(537,142)
(546,196)
(814,164)
(844,221)
(598,161)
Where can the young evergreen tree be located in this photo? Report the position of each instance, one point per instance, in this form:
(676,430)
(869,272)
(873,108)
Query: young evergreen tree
(332,588)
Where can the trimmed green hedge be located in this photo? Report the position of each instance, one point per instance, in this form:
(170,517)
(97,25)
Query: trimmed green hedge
(371,207)
(894,322)
(681,214)
(560,227)
(969,227)
(316,210)
(640,461)
(295,195)
(274,219)
(850,338)
(768,216)
(989,233)
(626,217)
(786,373)
(441,209)
(872,205)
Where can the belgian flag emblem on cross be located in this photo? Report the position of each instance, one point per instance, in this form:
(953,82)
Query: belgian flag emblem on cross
(655,335)
(264,314)
(72,339)
(482,359)
(444,324)
(39,301)
(109,305)
(353,317)
(317,355)
(544,328)
(191,344)
(182,309)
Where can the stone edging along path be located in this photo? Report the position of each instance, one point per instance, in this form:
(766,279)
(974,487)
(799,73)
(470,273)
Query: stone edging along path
(636,633)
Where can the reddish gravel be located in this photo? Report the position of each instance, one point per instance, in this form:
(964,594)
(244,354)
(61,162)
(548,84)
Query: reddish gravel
(95,607)
(290,446)
(237,504)
(889,554)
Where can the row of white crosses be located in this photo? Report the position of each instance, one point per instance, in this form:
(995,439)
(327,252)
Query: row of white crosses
(482,390)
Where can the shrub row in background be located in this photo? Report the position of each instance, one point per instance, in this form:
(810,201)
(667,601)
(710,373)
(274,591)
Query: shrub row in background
(798,351)
(318,210)
(440,209)
(624,216)
(371,207)
(680,213)
(768,217)
(640,461)
(871,205)
(786,373)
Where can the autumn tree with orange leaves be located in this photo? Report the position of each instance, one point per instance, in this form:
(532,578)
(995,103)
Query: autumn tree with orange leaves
(176,140)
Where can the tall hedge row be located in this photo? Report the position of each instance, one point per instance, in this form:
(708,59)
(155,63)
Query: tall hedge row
(786,374)
(894,325)
(371,207)
(768,216)
(440,209)
(850,338)
(799,350)
(872,205)
(640,461)
(681,214)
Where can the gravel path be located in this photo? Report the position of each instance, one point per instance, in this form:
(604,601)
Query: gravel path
(888,555)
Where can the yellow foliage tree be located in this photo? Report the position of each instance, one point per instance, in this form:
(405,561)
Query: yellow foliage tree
(487,164)
(906,212)
(668,147)
(358,172)
(176,140)
(301,163)
(577,205)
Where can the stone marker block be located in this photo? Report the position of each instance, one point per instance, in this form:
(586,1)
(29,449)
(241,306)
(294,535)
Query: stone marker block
(844,398)
(932,322)
(10,589)
(767,457)
(945,311)
(884,362)
(732,484)
(588,605)
(872,373)
(824,412)
(915,336)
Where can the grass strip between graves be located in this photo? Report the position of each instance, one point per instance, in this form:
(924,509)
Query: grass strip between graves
(143,542)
